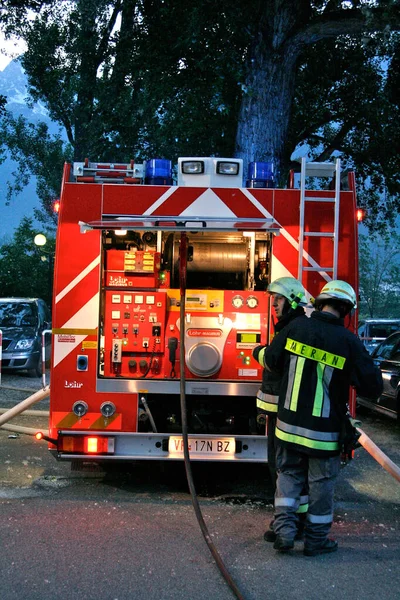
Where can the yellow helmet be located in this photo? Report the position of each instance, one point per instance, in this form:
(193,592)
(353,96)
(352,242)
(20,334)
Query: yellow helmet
(290,288)
(338,290)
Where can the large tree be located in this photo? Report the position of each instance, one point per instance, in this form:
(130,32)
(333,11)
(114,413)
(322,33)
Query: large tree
(259,79)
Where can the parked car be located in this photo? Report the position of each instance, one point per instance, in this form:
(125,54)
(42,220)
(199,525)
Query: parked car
(387,357)
(373,331)
(22,321)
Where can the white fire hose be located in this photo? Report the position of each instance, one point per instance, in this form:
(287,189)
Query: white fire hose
(21,407)
(378,455)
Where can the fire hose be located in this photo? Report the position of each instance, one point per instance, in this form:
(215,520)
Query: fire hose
(188,469)
(378,455)
(10,413)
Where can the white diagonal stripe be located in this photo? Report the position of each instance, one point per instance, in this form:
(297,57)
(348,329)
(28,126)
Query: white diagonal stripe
(285,234)
(85,318)
(161,200)
(78,278)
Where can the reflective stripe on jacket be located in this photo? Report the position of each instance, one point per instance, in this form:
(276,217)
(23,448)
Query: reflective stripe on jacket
(318,359)
(267,402)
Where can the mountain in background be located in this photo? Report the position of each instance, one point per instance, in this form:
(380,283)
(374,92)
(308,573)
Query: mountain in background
(13,85)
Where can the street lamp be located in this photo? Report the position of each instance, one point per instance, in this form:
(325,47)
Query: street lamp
(40,240)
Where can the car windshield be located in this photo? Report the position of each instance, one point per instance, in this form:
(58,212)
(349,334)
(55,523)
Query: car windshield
(383,330)
(18,314)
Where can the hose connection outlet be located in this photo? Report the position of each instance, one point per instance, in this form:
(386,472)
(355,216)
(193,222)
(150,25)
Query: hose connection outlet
(80,408)
(107,409)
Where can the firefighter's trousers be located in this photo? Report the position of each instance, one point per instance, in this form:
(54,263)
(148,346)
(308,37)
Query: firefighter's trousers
(293,470)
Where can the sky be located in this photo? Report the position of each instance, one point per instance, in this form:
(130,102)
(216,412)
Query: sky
(10,47)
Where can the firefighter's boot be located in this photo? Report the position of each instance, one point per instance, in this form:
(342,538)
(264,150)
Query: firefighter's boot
(283,544)
(270,535)
(325,548)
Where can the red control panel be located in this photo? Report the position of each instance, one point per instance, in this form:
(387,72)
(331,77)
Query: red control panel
(134,330)
(132,268)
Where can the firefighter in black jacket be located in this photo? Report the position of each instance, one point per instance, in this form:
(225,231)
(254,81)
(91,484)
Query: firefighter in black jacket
(319,360)
(287,294)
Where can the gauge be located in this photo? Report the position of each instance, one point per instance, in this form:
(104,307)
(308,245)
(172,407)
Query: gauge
(252,302)
(237,301)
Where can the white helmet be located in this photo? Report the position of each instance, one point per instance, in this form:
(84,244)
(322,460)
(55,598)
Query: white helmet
(290,288)
(337,290)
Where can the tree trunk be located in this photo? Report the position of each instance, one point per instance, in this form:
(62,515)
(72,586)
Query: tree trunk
(266,107)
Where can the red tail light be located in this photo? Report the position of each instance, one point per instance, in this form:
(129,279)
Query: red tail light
(85,444)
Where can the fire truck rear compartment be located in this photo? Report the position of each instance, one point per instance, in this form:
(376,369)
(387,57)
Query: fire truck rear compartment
(221,415)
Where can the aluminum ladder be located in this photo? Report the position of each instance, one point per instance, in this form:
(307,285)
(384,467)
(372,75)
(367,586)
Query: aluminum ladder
(315,169)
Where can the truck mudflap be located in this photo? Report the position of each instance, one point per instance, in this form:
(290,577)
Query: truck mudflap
(108,446)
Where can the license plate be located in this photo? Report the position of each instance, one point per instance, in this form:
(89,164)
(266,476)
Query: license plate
(203,446)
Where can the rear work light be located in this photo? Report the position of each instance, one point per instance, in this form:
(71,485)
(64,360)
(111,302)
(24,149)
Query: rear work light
(227,168)
(86,444)
(193,167)
(158,172)
(261,175)
(361,213)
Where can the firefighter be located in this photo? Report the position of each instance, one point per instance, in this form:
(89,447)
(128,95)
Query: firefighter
(287,295)
(319,359)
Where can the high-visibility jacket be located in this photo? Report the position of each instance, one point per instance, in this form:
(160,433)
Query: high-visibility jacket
(268,394)
(318,360)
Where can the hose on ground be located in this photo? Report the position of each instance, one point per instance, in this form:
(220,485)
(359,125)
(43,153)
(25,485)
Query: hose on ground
(189,476)
(378,455)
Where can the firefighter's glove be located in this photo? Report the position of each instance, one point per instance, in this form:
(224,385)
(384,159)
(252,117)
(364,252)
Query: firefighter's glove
(348,439)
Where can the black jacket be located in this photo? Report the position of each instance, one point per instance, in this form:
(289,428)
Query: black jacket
(271,382)
(318,360)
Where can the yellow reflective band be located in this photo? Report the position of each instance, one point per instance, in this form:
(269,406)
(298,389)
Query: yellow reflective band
(267,406)
(319,392)
(296,384)
(333,360)
(302,441)
(260,357)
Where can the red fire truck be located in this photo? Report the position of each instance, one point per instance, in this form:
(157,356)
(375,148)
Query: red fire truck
(159,290)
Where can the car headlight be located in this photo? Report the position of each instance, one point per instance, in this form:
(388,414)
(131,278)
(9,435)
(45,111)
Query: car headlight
(24,344)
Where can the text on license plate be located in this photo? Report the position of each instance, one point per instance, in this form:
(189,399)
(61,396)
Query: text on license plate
(220,446)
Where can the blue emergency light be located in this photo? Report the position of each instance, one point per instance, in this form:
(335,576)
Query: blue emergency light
(158,172)
(261,175)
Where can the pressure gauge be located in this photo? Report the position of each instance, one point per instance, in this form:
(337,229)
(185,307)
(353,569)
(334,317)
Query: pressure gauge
(237,301)
(252,302)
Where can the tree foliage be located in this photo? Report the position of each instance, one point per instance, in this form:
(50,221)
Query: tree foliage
(23,272)
(379,263)
(143,78)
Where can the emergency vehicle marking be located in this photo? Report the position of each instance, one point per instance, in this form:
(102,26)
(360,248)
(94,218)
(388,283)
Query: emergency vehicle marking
(285,233)
(89,421)
(85,319)
(179,198)
(210,202)
(78,278)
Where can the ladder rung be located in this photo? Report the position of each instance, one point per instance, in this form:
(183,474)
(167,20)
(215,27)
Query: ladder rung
(318,234)
(318,270)
(313,199)
(320,169)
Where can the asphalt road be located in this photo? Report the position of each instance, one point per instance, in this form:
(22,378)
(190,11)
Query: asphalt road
(132,534)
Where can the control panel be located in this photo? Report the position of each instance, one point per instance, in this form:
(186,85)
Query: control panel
(134,332)
(133,269)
